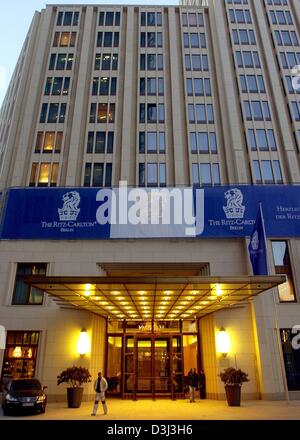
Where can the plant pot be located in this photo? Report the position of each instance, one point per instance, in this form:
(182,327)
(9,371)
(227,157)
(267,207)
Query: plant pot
(74,397)
(233,394)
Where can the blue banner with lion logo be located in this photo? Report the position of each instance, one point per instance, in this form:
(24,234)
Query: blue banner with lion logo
(93,213)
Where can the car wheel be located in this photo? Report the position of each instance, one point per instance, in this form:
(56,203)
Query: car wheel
(43,409)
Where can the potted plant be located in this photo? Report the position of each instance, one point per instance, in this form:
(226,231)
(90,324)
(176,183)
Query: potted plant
(74,377)
(233,379)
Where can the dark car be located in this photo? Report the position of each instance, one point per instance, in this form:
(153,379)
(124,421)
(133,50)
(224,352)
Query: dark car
(24,394)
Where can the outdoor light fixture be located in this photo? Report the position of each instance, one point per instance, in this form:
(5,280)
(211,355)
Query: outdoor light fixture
(223,342)
(17,353)
(83,345)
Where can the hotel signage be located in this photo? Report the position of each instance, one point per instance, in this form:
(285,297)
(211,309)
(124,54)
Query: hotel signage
(91,213)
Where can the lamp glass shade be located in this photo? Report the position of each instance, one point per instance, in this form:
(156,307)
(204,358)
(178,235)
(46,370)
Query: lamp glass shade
(223,342)
(17,353)
(83,345)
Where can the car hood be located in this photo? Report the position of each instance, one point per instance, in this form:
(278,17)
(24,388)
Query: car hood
(27,393)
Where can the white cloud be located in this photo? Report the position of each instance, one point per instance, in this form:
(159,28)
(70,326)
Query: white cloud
(2,78)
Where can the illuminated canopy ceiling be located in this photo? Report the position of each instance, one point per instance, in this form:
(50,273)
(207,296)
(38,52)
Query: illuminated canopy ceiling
(159,298)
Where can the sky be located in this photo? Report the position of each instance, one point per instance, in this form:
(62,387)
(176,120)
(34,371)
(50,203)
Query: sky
(15,20)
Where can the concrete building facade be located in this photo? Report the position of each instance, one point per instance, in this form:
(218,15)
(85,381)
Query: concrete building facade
(199,95)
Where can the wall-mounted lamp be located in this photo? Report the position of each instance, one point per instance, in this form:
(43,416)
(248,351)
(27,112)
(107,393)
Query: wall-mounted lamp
(17,353)
(83,345)
(223,342)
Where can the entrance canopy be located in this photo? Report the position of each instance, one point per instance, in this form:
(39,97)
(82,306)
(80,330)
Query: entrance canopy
(159,298)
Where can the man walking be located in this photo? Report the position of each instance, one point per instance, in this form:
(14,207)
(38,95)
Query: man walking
(100,386)
(192,382)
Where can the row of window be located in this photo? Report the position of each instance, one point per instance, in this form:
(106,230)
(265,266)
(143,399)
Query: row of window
(48,142)
(192,19)
(286,38)
(198,87)
(262,140)
(61,61)
(151,86)
(289,59)
(151,61)
(100,142)
(296,110)
(44,174)
(277,2)
(109,18)
(201,113)
(64,39)
(267,172)
(152,175)
(290,84)
(53,113)
(104,86)
(281,18)
(243,36)
(106,61)
(67,18)
(194,40)
(152,113)
(98,174)
(247,58)
(240,16)
(151,39)
(151,19)
(102,113)
(152,142)
(206,174)
(203,142)
(237,2)
(196,62)
(57,86)
(257,111)
(108,39)
(252,84)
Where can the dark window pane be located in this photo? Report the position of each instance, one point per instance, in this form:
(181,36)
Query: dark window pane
(110,142)
(108,174)
(100,142)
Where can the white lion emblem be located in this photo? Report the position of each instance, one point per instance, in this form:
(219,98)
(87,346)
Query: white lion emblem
(234,208)
(70,209)
(255,241)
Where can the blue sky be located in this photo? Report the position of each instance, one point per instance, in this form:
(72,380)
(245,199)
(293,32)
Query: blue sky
(15,20)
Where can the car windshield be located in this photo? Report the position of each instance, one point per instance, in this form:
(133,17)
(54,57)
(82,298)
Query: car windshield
(26,385)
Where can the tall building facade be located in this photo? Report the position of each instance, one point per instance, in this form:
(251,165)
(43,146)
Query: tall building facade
(199,95)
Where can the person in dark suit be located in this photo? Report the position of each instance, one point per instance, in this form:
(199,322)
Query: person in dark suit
(202,384)
(192,383)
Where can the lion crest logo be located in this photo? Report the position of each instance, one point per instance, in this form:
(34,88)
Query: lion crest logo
(70,209)
(235,208)
(255,241)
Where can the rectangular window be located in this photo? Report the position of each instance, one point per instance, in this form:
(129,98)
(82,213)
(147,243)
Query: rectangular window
(20,355)
(98,174)
(291,357)
(142,179)
(283,266)
(24,294)
(152,177)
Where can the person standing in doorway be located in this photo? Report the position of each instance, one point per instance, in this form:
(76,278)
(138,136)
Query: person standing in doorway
(100,386)
(202,384)
(192,382)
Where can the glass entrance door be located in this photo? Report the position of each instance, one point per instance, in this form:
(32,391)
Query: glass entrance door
(144,365)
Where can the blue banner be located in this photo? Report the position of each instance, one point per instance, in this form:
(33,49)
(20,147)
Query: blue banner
(258,246)
(92,213)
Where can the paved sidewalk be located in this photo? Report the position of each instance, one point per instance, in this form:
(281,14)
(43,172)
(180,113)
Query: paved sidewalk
(166,409)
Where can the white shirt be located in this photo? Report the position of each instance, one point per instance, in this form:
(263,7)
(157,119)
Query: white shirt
(103,385)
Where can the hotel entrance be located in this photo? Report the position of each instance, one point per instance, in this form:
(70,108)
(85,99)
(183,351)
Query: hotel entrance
(143,364)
